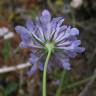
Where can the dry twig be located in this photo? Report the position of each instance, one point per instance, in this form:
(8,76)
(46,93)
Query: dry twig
(14,68)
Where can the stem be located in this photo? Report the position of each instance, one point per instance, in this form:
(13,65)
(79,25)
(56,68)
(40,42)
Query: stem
(58,93)
(73,17)
(44,73)
(81,82)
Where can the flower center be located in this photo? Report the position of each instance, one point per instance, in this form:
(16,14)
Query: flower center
(49,47)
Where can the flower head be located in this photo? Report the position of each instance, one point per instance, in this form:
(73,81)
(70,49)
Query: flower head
(46,33)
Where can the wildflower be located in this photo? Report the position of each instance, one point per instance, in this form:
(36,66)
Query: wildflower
(46,33)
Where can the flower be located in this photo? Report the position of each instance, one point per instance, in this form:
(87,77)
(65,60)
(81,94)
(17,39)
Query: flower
(45,32)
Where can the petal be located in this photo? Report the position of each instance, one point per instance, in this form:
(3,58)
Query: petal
(32,70)
(41,67)
(72,47)
(21,29)
(57,60)
(48,31)
(64,44)
(56,20)
(46,13)
(30,25)
(46,16)
(66,64)
(74,31)
(60,38)
(38,39)
(60,22)
(43,27)
(76,43)
(24,34)
(33,59)
(50,66)
(63,28)
(67,32)
(72,38)
(71,32)
(23,45)
(79,49)
(58,28)
(40,33)
(71,54)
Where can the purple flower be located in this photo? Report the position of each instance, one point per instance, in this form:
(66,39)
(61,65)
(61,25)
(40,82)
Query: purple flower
(48,30)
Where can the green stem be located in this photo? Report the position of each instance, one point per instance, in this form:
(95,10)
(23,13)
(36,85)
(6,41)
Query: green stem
(80,82)
(44,73)
(58,93)
(73,17)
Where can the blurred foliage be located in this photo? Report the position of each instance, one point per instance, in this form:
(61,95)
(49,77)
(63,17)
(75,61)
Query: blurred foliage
(11,88)
(6,50)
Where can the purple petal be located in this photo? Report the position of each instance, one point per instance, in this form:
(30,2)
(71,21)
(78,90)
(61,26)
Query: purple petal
(71,47)
(30,25)
(68,48)
(46,13)
(60,38)
(40,33)
(60,22)
(76,43)
(33,59)
(50,66)
(48,31)
(66,64)
(46,16)
(74,31)
(71,54)
(23,33)
(66,34)
(79,49)
(72,38)
(23,45)
(32,70)
(64,44)
(41,67)
(71,32)
(38,39)
(56,20)
(58,28)
(21,29)
(63,28)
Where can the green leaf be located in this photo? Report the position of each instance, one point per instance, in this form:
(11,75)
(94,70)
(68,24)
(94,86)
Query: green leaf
(6,49)
(10,88)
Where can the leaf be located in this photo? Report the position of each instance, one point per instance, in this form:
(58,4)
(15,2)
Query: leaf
(10,88)
(6,50)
